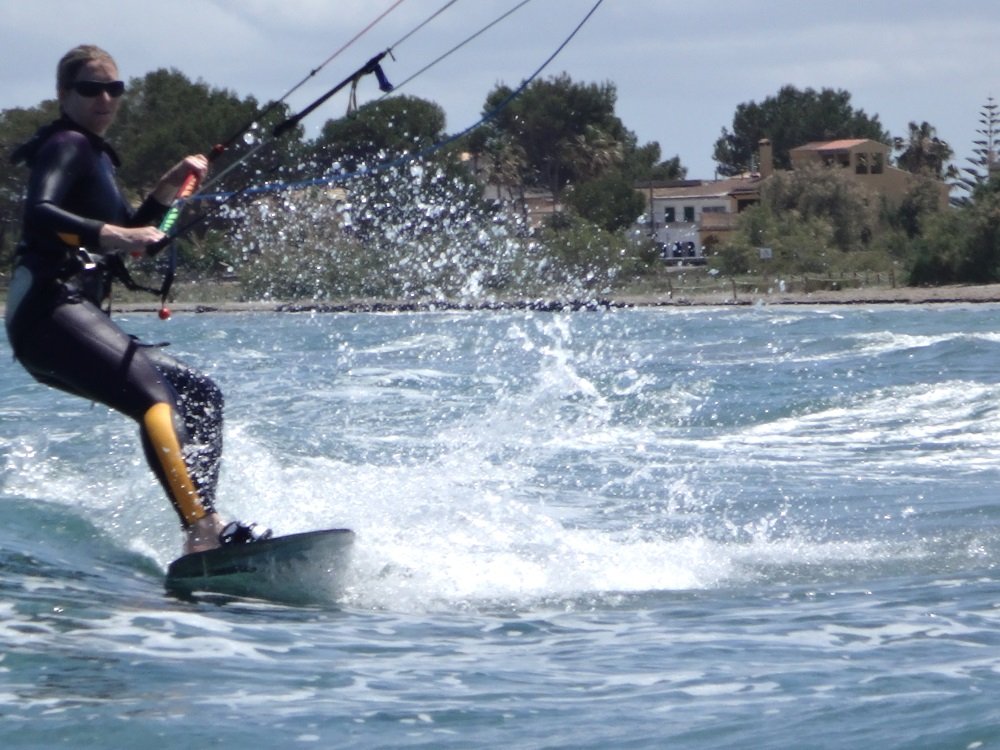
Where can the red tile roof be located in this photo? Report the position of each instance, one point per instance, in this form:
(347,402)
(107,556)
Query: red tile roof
(841,145)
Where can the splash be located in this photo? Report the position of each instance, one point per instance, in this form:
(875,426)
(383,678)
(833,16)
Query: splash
(419,232)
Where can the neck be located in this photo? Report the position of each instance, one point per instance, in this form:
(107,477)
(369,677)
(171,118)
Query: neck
(77,126)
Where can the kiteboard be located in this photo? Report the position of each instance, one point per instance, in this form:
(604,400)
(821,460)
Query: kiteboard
(309,567)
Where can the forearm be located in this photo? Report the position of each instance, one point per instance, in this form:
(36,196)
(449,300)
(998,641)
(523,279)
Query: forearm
(151,211)
(45,217)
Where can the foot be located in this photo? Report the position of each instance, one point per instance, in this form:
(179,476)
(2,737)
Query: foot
(243,533)
(203,534)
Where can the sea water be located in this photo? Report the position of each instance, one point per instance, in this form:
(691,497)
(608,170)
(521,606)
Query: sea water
(689,528)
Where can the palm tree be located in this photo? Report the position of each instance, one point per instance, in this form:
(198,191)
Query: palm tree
(592,153)
(924,153)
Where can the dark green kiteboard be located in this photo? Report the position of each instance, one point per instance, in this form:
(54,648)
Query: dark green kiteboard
(305,568)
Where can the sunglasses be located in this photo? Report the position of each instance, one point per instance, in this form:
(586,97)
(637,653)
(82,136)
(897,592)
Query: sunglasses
(90,89)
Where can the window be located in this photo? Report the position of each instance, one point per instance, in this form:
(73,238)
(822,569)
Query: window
(668,215)
(689,213)
(878,163)
(861,163)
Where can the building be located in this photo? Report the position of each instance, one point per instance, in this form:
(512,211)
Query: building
(866,161)
(687,217)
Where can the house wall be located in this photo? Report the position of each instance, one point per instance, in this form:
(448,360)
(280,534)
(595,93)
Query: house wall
(678,219)
(713,207)
(868,163)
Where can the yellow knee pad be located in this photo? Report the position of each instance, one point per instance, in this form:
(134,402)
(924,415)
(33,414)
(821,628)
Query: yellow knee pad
(159,424)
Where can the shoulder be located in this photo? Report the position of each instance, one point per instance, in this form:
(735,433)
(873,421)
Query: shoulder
(65,148)
(69,141)
(72,140)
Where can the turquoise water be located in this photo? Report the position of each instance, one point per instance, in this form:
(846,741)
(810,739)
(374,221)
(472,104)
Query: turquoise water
(698,528)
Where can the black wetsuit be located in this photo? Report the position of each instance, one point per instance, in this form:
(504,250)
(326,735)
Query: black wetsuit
(62,337)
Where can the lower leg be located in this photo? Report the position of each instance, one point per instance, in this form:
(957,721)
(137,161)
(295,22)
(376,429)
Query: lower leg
(166,457)
(203,534)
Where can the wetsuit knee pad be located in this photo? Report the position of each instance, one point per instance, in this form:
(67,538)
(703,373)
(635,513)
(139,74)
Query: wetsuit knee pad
(158,422)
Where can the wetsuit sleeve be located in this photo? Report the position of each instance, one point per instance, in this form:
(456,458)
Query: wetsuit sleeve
(72,193)
(57,168)
(150,212)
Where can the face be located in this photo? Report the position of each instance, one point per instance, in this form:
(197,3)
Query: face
(95,113)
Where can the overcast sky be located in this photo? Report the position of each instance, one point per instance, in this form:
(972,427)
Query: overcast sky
(680,67)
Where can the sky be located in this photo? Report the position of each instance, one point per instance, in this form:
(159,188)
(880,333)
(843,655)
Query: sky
(680,68)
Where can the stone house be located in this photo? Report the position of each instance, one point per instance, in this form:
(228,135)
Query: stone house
(688,216)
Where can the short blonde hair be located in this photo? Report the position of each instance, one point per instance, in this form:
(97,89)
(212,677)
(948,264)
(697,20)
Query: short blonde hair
(75,59)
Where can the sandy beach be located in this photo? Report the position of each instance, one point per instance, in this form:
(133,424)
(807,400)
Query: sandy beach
(984,293)
(956,294)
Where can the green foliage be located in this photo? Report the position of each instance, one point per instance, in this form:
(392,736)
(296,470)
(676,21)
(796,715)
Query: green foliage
(609,202)
(579,258)
(798,243)
(920,202)
(443,247)
(381,131)
(559,132)
(821,207)
(984,155)
(419,230)
(416,230)
(924,153)
(791,118)
(961,245)
(165,116)
(814,221)
(16,126)
(671,169)
(827,194)
(324,244)
(819,221)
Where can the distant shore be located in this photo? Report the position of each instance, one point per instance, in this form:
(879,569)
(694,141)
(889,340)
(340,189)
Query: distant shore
(955,294)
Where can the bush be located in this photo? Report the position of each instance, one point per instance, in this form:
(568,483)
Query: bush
(961,245)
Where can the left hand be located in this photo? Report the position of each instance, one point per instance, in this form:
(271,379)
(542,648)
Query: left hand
(170,183)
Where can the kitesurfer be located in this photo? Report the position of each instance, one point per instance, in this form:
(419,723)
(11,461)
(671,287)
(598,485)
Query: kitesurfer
(76,222)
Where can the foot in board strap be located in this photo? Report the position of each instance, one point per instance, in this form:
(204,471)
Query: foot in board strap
(242,533)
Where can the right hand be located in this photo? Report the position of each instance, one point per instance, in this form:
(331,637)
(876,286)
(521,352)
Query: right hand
(170,183)
(129,239)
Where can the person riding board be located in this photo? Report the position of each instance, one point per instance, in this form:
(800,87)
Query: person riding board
(76,218)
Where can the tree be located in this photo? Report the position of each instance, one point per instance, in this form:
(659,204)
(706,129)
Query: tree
(549,118)
(811,218)
(592,153)
(921,201)
(828,194)
(961,245)
(400,198)
(16,126)
(644,163)
(165,115)
(924,153)
(501,161)
(381,131)
(986,149)
(567,132)
(789,119)
(610,201)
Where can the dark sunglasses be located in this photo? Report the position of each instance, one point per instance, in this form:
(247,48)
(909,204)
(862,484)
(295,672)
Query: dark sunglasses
(90,89)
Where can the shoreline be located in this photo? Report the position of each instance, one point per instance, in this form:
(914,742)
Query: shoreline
(955,294)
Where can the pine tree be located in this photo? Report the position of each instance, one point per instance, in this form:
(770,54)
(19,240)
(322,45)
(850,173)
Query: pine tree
(985,152)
